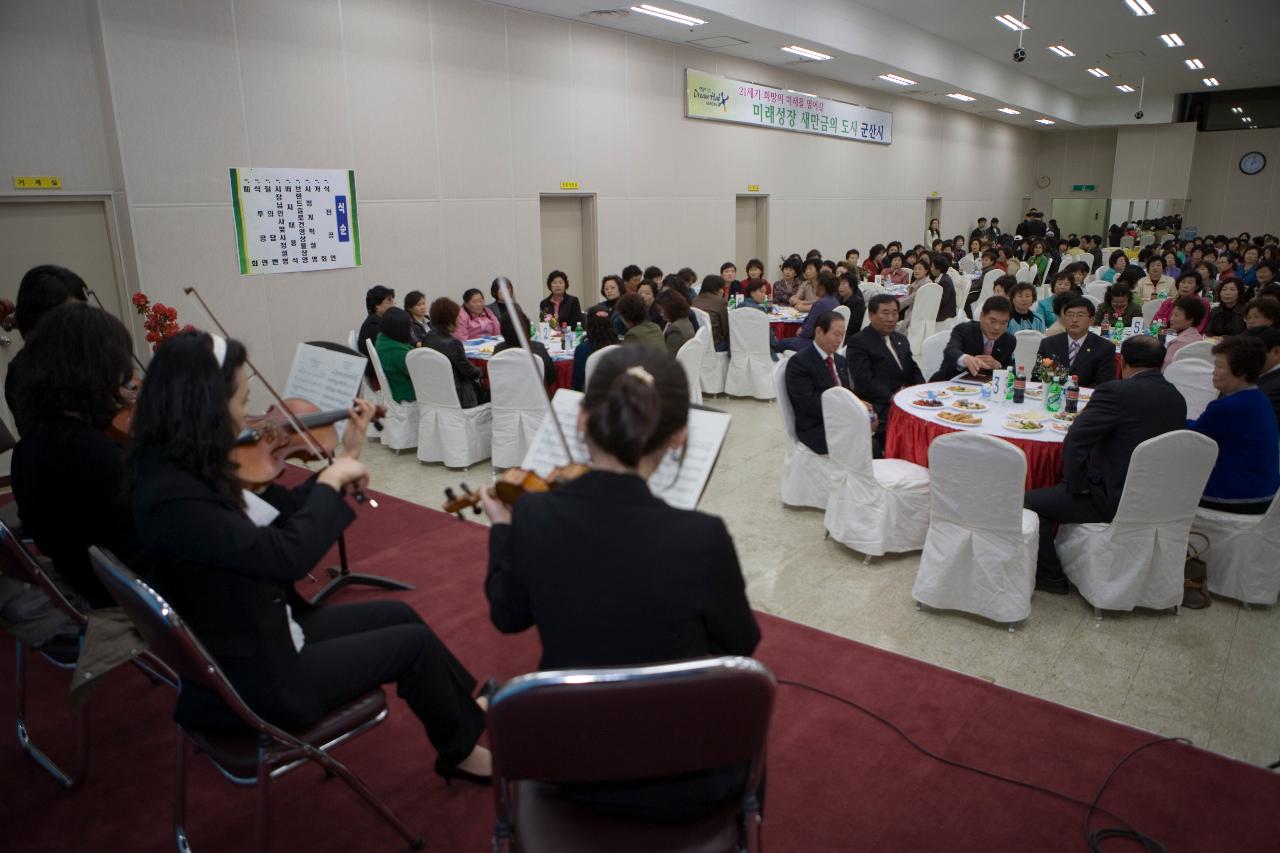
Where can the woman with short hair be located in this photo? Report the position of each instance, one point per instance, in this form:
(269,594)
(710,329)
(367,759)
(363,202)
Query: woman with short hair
(560,304)
(1188,285)
(395,341)
(475,320)
(1227,317)
(415,302)
(443,338)
(674,310)
(1184,321)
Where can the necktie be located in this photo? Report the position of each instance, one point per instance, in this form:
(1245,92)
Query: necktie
(831,368)
(987,343)
(888,341)
(1073,347)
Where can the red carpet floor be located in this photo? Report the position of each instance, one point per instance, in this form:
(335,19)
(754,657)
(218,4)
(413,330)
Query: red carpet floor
(837,779)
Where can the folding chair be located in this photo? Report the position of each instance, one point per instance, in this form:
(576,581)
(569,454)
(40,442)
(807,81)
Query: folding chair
(264,752)
(613,725)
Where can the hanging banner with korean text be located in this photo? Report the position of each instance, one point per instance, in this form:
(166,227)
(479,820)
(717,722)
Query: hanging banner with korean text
(708,96)
(295,220)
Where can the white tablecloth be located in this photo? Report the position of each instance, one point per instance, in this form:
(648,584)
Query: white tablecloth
(992,420)
(473,351)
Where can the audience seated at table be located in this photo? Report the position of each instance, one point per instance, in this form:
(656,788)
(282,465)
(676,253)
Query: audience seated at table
(810,372)
(880,360)
(610,290)
(939,264)
(599,334)
(806,292)
(1039,259)
(877,259)
(919,278)
(1246,476)
(897,271)
(1269,381)
(711,299)
(1266,278)
(755,272)
(377,300)
(825,299)
(850,296)
(979,346)
(1023,297)
(1189,284)
(630,279)
(496,306)
(1188,313)
(674,309)
(1117,307)
(443,339)
(415,302)
(1154,282)
(1116,263)
(784,287)
(475,319)
(1089,357)
(641,331)
(561,304)
(394,342)
(1096,450)
(1248,268)
(729,272)
(1262,311)
(510,340)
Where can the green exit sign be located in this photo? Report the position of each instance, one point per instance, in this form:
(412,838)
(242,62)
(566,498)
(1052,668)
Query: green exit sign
(1083,188)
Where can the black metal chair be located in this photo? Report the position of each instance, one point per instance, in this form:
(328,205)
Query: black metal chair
(612,725)
(264,752)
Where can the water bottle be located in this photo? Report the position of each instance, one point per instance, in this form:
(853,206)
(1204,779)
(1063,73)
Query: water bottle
(1106,325)
(1053,396)
(1020,387)
(985,392)
(1010,378)
(578,335)
(1073,395)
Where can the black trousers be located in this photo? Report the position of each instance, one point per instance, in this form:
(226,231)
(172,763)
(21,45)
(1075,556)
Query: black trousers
(1056,505)
(352,648)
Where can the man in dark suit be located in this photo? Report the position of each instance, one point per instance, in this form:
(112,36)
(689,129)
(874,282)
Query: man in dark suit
(982,345)
(1090,358)
(1269,381)
(1095,454)
(811,371)
(880,361)
(981,232)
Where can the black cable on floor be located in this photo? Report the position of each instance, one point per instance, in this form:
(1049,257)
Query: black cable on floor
(1093,838)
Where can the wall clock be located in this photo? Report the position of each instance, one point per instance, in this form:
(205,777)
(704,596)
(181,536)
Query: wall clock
(1043,181)
(1253,163)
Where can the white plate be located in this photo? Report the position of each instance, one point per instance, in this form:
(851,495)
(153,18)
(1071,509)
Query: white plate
(1059,426)
(962,390)
(969,406)
(915,404)
(1035,393)
(1019,430)
(924,395)
(942,420)
(1028,415)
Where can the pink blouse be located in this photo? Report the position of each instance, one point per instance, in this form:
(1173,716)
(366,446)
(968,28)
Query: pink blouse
(1166,308)
(469,327)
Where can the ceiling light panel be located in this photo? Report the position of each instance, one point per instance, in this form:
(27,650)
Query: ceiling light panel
(1141,8)
(1009,111)
(961,97)
(668,15)
(1125,87)
(1172,40)
(1045,121)
(894,78)
(1210,81)
(806,53)
(1098,72)
(1012,22)
(1194,64)
(1062,50)
(1237,110)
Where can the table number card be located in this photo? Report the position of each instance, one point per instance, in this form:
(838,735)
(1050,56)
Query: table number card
(295,220)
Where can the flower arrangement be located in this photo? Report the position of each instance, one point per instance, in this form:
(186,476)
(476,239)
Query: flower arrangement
(160,321)
(1048,370)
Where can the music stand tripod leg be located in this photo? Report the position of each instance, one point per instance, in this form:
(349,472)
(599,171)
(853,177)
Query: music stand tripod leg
(342,576)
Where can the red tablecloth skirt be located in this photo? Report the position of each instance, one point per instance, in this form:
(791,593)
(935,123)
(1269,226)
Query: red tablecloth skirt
(909,438)
(786,330)
(564,372)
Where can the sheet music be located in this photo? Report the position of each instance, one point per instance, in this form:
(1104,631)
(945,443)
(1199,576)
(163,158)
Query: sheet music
(329,379)
(680,485)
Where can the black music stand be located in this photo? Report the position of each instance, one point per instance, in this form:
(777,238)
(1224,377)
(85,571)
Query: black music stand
(341,574)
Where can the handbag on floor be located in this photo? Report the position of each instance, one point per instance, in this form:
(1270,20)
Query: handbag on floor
(1194,594)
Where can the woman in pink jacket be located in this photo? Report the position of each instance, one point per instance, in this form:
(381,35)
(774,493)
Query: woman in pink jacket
(475,320)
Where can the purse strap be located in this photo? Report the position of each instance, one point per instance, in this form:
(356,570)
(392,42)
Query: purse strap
(1192,551)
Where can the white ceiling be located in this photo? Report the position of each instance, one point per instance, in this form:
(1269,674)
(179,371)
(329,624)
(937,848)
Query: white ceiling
(956,45)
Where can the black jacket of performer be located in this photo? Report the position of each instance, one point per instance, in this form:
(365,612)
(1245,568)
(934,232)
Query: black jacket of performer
(807,377)
(234,596)
(876,375)
(967,339)
(569,312)
(369,330)
(1119,417)
(1095,360)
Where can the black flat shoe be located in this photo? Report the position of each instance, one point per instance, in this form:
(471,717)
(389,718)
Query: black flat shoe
(487,689)
(449,772)
(1053,587)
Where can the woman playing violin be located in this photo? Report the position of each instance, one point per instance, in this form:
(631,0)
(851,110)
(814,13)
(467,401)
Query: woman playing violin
(68,475)
(227,559)
(662,597)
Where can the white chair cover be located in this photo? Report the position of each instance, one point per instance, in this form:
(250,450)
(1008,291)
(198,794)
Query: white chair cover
(592,361)
(934,346)
(876,506)
(704,319)
(1026,273)
(806,476)
(979,555)
(1149,309)
(351,339)
(1243,557)
(447,432)
(869,289)
(987,290)
(1193,378)
(400,426)
(1096,300)
(1146,238)
(842,310)
(518,404)
(750,372)
(1137,560)
(1202,350)
(714,364)
(1097,289)
(690,357)
(1126,242)
(924,316)
(1024,351)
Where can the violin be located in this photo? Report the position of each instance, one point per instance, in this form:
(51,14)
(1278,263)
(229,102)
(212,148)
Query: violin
(122,421)
(269,440)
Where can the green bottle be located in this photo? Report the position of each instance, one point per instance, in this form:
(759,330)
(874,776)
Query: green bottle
(1008,382)
(1053,396)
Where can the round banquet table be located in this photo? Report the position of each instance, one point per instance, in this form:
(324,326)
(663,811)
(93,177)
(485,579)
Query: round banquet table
(564,371)
(783,329)
(912,429)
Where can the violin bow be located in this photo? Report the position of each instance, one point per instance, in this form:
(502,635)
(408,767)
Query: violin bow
(132,354)
(312,443)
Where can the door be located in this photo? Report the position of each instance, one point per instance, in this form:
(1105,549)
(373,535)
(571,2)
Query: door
(1080,215)
(568,231)
(751,230)
(75,234)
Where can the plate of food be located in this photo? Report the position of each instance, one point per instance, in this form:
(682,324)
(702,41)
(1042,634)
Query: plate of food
(1059,426)
(1065,417)
(969,406)
(1023,425)
(1029,415)
(938,394)
(959,418)
(926,403)
(1035,393)
(961,389)
(487,349)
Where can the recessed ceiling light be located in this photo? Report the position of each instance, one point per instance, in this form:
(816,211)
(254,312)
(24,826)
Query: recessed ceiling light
(668,15)
(961,97)
(1246,119)
(1140,7)
(1194,64)
(1237,110)
(1011,22)
(805,52)
(1009,111)
(1098,72)
(798,92)
(1210,81)
(1125,87)
(894,78)
(1062,50)
(1045,121)
(1172,40)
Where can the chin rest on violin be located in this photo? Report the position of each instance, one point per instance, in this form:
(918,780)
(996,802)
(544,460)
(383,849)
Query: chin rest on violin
(513,484)
(268,441)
